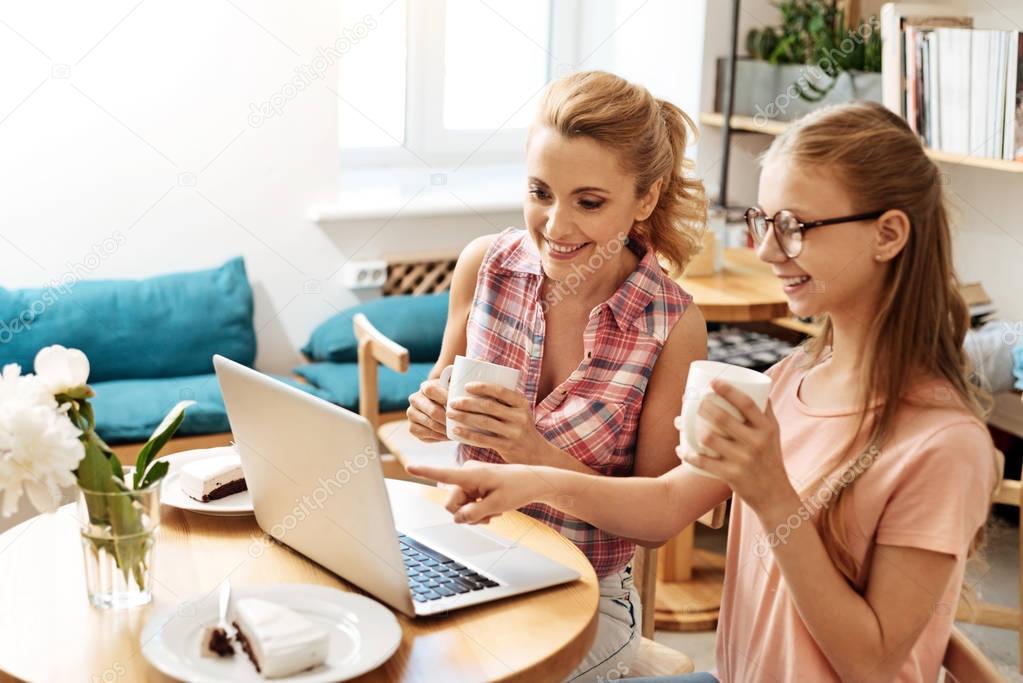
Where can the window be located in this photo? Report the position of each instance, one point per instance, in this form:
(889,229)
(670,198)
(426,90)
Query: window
(446,83)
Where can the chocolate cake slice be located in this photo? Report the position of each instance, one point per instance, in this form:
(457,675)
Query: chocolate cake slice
(278,640)
(213,478)
(216,643)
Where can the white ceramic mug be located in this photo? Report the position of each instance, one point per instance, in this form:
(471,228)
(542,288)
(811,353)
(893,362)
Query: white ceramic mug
(754,384)
(467,370)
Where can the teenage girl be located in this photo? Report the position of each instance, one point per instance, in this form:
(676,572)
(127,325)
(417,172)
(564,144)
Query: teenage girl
(861,489)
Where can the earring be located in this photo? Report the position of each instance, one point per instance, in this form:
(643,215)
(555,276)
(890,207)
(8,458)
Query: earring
(877,257)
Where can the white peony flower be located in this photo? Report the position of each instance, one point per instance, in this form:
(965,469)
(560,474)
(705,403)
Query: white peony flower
(61,369)
(39,446)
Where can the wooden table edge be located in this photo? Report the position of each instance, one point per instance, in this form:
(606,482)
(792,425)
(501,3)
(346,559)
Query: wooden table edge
(560,663)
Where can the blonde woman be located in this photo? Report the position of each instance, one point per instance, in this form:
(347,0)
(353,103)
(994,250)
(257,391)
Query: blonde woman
(861,489)
(580,304)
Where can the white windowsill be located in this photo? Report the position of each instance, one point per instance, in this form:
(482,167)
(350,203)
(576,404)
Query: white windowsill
(415,193)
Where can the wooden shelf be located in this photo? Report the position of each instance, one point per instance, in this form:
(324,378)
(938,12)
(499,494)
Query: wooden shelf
(745,123)
(751,125)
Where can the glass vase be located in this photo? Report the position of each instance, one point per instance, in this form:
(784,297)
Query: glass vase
(118,532)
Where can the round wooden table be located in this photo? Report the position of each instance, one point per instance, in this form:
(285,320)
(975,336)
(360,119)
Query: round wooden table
(49,632)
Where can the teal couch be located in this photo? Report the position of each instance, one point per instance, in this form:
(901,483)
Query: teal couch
(150,343)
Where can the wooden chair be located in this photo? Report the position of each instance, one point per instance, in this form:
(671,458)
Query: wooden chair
(1010,492)
(392,429)
(655,659)
(965,663)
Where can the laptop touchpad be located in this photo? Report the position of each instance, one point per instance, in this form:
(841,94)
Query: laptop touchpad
(459,540)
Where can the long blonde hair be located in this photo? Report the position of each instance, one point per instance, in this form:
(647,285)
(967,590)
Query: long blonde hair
(650,138)
(922,318)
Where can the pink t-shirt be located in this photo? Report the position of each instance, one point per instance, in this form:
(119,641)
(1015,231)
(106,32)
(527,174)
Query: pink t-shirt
(929,487)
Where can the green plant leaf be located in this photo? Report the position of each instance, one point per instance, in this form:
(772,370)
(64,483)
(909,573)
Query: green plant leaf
(161,435)
(129,541)
(94,474)
(115,467)
(155,473)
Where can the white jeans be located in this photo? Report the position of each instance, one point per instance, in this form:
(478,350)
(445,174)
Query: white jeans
(618,632)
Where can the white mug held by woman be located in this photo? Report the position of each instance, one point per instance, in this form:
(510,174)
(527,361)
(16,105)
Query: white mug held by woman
(467,370)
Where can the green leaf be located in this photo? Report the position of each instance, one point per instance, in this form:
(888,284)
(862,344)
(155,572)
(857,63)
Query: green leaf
(129,541)
(93,436)
(94,474)
(155,473)
(115,467)
(161,435)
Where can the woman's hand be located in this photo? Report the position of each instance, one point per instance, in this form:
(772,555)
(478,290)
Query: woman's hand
(749,451)
(500,419)
(426,413)
(481,491)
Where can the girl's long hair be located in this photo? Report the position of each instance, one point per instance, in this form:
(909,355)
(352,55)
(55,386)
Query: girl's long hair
(921,319)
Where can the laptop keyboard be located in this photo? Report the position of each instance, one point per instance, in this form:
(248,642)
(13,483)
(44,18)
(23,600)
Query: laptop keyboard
(433,576)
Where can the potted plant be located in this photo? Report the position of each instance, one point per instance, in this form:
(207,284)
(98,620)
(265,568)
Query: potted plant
(811,60)
(48,441)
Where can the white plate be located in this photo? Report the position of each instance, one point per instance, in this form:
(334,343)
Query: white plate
(237,504)
(363,635)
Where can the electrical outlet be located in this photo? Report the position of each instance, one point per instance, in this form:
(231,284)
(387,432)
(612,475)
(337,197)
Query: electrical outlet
(364,274)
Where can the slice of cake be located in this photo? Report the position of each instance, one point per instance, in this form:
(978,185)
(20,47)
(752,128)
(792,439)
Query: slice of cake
(213,477)
(216,642)
(278,640)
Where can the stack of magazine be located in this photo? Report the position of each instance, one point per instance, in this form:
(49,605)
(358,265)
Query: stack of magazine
(959,87)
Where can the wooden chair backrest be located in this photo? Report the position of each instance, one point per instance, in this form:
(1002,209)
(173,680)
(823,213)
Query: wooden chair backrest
(965,663)
(406,275)
(644,568)
(374,348)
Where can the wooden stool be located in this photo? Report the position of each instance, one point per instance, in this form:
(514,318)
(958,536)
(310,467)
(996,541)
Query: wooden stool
(653,659)
(690,581)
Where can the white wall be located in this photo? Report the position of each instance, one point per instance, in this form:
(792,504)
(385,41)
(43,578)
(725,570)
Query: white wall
(987,205)
(128,149)
(131,118)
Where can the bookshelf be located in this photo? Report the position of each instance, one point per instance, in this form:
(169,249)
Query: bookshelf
(750,125)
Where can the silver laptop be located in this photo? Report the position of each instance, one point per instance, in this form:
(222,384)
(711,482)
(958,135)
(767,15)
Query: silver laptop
(316,482)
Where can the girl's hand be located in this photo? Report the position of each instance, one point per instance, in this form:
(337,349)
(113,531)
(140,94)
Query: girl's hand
(426,412)
(481,491)
(749,450)
(506,415)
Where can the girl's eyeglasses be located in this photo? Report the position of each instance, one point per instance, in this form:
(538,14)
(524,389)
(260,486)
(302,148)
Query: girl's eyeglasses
(788,230)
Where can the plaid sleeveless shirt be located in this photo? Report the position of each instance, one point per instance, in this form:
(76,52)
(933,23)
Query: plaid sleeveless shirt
(594,414)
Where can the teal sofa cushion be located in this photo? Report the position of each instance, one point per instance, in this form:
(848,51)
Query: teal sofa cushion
(164,326)
(341,382)
(415,322)
(128,410)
